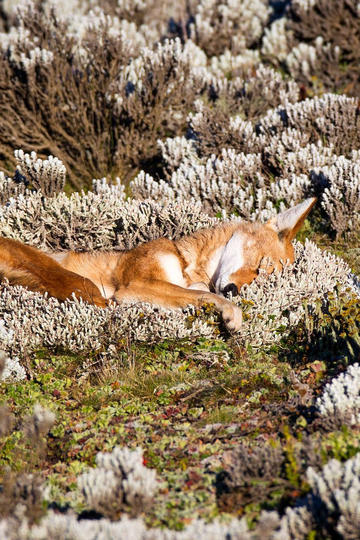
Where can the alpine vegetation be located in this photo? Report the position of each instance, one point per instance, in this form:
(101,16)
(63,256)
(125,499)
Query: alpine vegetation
(340,401)
(10,368)
(337,489)
(119,482)
(47,175)
(330,506)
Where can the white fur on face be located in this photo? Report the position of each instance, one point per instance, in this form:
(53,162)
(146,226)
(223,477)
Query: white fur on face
(232,259)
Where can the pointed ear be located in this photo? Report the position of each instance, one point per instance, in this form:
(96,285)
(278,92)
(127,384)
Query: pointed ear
(288,223)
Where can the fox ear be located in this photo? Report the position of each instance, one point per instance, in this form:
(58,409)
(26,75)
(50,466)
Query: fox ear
(288,223)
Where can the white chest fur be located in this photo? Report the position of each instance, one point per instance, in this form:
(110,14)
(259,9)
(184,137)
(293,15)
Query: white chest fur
(171,267)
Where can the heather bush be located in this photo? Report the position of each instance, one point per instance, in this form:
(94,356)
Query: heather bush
(153,95)
(252,472)
(23,494)
(340,401)
(335,497)
(250,94)
(311,41)
(319,34)
(341,200)
(73,223)
(330,118)
(108,103)
(236,26)
(119,483)
(332,324)
(48,176)
(245,466)
(9,187)
(223,185)
(44,71)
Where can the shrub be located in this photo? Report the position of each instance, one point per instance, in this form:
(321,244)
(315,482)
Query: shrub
(340,401)
(336,497)
(78,96)
(332,324)
(119,483)
(65,89)
(312,41)
(22,495)
(218,26)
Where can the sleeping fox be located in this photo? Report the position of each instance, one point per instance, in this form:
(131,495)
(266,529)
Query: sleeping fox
(201,268)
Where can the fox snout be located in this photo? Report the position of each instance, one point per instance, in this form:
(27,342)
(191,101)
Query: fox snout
(230,288)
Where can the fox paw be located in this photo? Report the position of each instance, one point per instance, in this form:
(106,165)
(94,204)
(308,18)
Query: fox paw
(232,316)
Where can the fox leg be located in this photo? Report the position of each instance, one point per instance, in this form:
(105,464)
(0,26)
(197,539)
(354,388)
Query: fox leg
(163,293)
(31,268)
(199,286)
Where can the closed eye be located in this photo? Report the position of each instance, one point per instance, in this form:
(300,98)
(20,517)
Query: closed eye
(266,264)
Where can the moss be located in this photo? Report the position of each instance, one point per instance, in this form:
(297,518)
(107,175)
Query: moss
(341,445)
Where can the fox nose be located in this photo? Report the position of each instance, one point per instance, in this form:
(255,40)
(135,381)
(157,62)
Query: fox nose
(230,288)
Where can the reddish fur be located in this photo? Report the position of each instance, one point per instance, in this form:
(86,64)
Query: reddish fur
(28,266)
(139,274)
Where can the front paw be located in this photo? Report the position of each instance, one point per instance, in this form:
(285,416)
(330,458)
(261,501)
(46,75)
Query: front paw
(232,316)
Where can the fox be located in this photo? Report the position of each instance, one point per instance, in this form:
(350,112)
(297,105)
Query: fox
(205,267)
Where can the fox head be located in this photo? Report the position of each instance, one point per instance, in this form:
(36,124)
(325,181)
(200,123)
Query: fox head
(255,246)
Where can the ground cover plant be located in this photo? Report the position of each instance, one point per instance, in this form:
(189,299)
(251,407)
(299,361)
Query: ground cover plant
(124,121)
